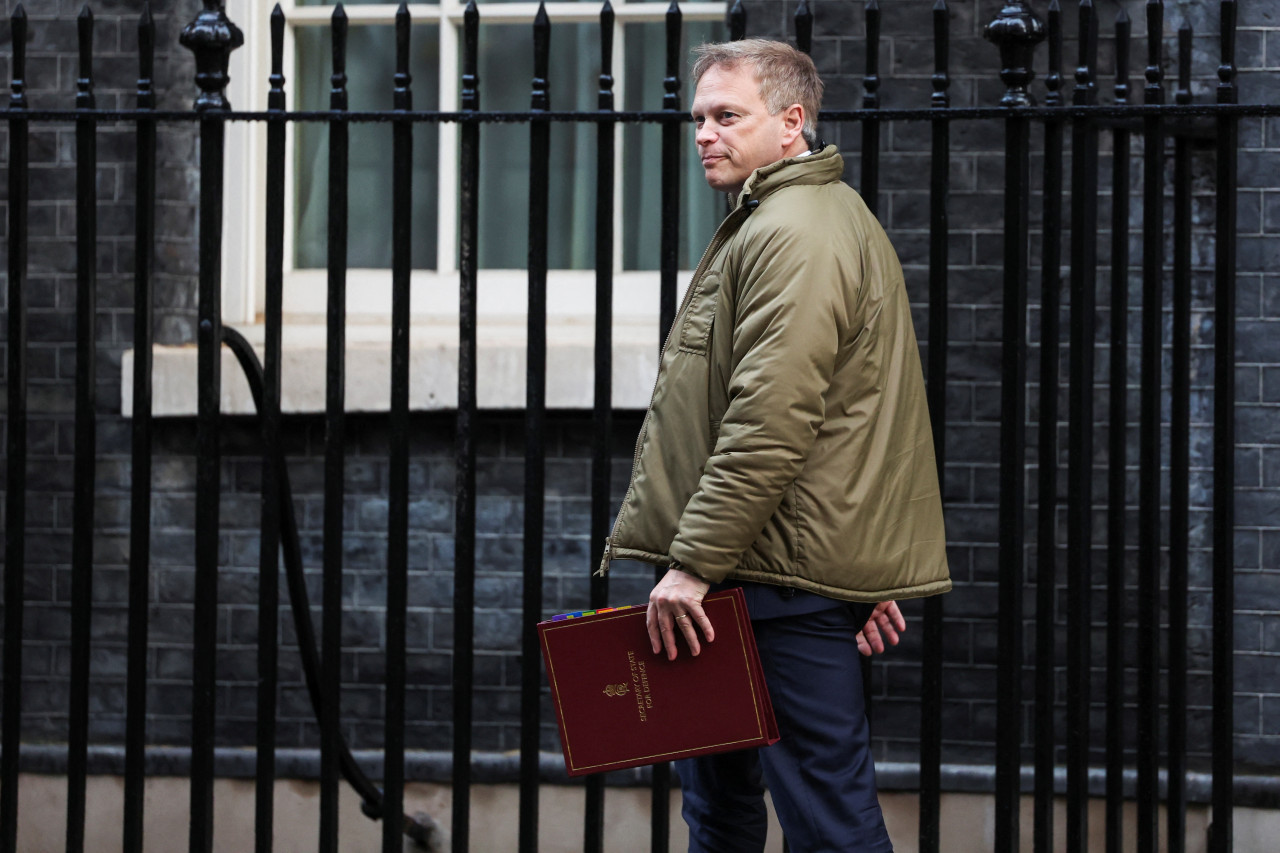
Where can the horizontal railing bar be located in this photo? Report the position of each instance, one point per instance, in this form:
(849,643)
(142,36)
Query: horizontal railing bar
(503,13)
(924,114)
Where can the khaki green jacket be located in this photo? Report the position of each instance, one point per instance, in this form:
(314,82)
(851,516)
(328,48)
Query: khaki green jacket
(788,440)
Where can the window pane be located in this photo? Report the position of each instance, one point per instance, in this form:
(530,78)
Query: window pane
(701,209)
(506,75)
(370,71)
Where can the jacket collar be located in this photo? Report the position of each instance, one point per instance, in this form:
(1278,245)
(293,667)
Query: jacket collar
(823,167)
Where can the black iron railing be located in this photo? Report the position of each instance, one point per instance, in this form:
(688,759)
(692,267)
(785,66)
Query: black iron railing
(1016,32)
(1117,448)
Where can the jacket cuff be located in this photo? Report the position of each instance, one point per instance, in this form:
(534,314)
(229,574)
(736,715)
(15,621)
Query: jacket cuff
(700,574)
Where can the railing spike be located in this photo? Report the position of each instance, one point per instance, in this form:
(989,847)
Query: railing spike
(277,51)
(1185,33)
(541,59)
(941,79)
(18,68)
(338,24)
(604,93)
(1155,33)
(804,27)
(671,82)
(1122,57)
(737,21)
(871,80)
(1227,69)
(470,51)
(84,27)
(1053,75)
(146,55)
(403,21)
(1087,36)
(276,95)
(84,82)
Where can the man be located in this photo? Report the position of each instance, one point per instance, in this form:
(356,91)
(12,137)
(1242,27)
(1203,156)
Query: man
(787,450)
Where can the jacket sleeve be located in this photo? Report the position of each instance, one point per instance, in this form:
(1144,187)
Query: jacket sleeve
(792,305)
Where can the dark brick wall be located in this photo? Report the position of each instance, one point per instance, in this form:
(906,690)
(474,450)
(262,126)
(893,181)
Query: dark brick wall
(568,560)
(972,409)
(51,74)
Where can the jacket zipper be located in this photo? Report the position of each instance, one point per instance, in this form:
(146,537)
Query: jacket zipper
(717,240)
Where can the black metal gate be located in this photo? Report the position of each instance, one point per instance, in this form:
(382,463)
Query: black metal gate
(1016,31)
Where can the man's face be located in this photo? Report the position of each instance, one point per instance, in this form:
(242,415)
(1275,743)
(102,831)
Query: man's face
(735,133)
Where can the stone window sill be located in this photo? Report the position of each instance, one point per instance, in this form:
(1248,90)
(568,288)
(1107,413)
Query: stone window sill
(500,353)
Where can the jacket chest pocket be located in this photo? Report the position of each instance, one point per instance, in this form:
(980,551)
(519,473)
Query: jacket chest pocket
(699,314)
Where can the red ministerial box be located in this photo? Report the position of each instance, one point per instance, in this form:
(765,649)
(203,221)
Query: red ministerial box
(620,705)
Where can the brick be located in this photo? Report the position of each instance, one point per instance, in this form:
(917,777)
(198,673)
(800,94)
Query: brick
(1270,724)
(1262,752)
(1259,339)
(1248,628)
(1255,672)
(1248,461)
(109,625)
(1257,508)
(172,663)
(237,665)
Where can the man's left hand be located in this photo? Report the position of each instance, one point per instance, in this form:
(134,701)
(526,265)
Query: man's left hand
(883,626)
(675,607)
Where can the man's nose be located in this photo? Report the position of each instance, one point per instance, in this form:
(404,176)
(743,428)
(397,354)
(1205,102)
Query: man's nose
(705,134)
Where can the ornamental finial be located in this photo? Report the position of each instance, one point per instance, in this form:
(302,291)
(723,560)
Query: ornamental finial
(212,37)
(1016,31)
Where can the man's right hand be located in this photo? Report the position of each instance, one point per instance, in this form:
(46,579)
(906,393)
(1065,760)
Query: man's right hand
(675,605)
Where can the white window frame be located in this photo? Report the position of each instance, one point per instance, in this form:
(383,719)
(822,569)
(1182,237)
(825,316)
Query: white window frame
(435,292)
(502,294)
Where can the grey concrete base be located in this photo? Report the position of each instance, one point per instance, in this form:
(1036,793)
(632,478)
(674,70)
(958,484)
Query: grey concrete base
(968,820)
(500,768)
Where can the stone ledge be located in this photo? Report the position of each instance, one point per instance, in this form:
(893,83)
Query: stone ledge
(433,368)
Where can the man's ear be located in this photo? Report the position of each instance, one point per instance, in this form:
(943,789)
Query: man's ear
(792,124)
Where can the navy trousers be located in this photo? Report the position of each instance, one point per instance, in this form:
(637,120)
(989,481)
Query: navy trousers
(820,773)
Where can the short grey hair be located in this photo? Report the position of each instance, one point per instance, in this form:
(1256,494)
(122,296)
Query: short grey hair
(786,75)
